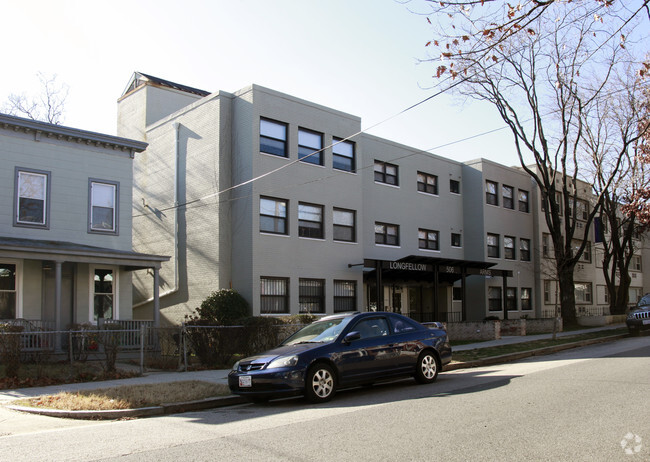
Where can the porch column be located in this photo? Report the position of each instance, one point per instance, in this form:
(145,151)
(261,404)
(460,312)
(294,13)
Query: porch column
(156,297)
(57,302)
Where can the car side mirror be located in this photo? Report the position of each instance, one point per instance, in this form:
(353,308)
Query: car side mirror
(351,337)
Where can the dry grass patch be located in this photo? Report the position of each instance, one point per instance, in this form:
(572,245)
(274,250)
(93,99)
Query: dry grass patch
(129,396)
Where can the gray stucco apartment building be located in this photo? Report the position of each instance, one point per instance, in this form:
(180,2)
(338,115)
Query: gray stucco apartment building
(287,202)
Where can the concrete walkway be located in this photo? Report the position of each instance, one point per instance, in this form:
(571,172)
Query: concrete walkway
(220,376)
(510,340)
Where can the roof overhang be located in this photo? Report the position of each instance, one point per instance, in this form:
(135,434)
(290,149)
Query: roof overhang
(32,249)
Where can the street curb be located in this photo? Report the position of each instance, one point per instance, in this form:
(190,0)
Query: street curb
(174,408)
(527,354)
(231,400)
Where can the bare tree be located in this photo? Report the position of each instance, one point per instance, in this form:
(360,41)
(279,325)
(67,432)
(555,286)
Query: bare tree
(47,106)
(611,137)
(543,72)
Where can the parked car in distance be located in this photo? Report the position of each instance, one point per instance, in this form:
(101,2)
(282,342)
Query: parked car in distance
(638,318)
(343,350)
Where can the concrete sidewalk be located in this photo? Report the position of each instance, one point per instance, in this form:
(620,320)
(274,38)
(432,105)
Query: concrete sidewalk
(220,376)
(510,340)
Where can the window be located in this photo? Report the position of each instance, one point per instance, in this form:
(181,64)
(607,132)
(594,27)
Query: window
(455,240)
(523,201)
(386,173)
(454,186)
(582,208)
(8,291)
(526,298)
(547,246)
(274,295)
(311,295)
(273,215)
(427,183)
(428,240)
(509,247)
(636,263)
(32,205)
(374,327)
(586,253)
(310,145)
(104,293)
(345,296)
(493,245)
(344,225)
(547,292)
(508,193)
(273,137)
(343,155)
(310,221)
(524,249)
(511,299)
(634,294)
(583,292)
(491,194)
(386,234)
(558,202)
(457,294)
(103,206)
(494,298)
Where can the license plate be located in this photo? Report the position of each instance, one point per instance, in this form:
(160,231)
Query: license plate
(245,381)
(646,322)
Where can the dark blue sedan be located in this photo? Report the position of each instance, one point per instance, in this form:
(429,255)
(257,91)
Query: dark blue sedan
(342,351)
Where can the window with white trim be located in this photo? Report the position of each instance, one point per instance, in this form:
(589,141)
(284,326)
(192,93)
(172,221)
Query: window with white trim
(104,293)
(103,211)
(32,198)
(583,292)
(8,290)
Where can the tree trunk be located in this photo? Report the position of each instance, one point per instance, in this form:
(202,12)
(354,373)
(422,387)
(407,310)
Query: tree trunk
(567,296)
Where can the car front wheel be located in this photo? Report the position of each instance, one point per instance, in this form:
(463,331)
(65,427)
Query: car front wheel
(320,384)
(427,368)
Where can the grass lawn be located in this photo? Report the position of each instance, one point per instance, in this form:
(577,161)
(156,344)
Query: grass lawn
(482,353)
(129,396)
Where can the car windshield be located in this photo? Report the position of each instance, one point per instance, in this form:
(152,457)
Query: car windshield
(320,331)
(645,301)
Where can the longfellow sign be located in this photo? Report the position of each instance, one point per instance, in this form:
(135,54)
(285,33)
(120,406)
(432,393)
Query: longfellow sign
(406,266)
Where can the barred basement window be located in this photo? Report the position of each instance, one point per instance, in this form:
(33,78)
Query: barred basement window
(274,295)
(345,296)
(312,295)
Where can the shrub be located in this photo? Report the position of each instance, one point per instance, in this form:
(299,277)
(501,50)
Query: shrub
(224,307)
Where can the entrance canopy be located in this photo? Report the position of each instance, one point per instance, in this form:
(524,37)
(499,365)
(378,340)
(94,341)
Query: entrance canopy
(429,269)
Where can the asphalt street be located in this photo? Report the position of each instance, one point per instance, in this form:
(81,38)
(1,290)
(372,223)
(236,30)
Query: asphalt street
(585,404)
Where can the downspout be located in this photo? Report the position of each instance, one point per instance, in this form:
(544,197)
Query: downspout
(174,289)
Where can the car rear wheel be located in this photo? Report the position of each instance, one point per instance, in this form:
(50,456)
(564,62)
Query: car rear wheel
(320,383)
(427,368)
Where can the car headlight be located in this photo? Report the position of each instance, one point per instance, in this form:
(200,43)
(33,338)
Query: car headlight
(235,366)
(283,361)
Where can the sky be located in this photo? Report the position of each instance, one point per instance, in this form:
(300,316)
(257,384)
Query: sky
(363,57)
